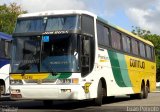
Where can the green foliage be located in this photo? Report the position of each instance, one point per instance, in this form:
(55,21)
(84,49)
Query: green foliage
(8,16)
(155,39)
(140,32)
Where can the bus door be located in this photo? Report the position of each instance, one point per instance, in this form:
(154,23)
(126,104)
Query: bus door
(85,55)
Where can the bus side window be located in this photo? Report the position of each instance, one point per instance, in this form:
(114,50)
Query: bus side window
(148,52)
(102,34)
(8,49)
(2,48)
(135,49)
(116,40)
(126,42)
(153,53)
(142,49)
(87,25)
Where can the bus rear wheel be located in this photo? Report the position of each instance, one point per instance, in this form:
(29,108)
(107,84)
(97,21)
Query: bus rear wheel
(143,94)
(146,92)
(98,100)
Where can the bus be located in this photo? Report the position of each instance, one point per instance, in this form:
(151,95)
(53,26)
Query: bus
(76,55)
(5,46)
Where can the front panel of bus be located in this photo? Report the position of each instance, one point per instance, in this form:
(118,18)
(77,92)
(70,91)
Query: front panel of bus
(50,55)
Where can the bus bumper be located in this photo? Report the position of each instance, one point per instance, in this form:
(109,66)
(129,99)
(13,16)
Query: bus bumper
(48,92)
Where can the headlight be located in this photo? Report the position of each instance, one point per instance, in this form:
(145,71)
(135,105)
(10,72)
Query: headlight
(68,81)
(16,82)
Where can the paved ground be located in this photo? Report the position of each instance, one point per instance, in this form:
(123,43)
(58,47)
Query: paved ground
(119,104)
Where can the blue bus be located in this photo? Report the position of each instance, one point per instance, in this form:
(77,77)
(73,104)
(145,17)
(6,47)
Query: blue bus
(5,45)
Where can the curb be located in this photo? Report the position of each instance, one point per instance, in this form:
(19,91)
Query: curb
(156,91)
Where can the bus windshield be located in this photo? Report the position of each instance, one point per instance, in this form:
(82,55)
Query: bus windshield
(42,24)
(34,54)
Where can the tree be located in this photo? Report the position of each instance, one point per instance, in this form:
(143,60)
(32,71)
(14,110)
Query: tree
(8,16)
(155,39)
(140,32)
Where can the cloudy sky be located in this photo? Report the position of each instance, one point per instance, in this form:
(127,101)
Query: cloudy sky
(124,13)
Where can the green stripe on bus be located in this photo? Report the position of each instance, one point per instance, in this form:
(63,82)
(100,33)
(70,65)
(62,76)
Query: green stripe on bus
(59,76)
(116,68)
(64,75)
(124,70)
(50,76)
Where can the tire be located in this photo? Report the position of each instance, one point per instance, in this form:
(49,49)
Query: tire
(98,100)
(143,94)
(146,92)
(47,103)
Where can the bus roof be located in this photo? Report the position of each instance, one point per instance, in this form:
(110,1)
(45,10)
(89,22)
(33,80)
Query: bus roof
(5,36)
(56,12)
(65,12)
(125,31)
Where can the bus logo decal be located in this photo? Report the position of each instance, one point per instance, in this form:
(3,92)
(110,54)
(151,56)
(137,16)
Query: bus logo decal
(26,77)
(137,63)
(86,87)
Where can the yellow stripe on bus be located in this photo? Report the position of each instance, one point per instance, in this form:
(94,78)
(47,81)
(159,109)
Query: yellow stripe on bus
(29,76)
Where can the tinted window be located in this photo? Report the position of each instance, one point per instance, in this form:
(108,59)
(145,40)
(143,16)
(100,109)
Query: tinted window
(126,44)
(153,53)
(7,49)
(2,48)
(87,25)
(102,35)
(63,23)
(30,25)
(70,22)
(142,49)
(148,52)
(134,47)
(116,40)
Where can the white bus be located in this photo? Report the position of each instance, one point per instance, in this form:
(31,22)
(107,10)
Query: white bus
(75,55)
(5,45)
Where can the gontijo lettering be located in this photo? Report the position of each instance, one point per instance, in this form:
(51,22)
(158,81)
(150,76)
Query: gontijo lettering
(137,63)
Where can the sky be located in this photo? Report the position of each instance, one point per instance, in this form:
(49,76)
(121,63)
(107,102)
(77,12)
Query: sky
(124,13)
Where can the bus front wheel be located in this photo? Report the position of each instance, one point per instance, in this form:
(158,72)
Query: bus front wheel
(98,100)
(2,89)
